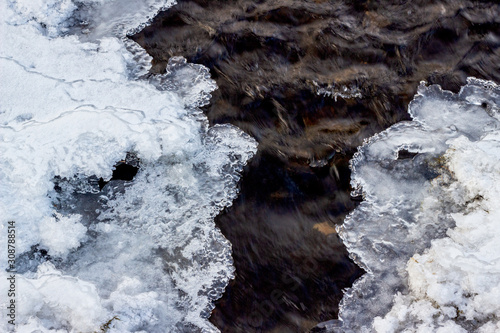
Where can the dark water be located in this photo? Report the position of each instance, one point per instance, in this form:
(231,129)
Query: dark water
(270,60)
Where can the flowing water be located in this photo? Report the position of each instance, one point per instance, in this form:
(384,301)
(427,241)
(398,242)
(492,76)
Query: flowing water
(122,177)
(310,81)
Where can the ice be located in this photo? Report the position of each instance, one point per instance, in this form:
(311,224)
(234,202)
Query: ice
(91,19)
(137,256)
(427,231)
(335,91)
(61,233)
(49,14)
(41,298)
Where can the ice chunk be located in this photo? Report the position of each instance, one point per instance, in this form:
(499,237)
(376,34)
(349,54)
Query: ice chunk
(51,295)
(59,234)
(427,232)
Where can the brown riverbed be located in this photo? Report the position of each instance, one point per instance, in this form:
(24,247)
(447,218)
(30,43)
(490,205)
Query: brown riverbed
(310,80)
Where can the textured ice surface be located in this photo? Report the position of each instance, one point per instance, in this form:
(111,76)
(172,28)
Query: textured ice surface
(428,232)
(335,91)
(93,18)
(75,100)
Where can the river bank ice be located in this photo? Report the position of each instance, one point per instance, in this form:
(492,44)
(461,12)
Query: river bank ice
(428,231)
(141,255)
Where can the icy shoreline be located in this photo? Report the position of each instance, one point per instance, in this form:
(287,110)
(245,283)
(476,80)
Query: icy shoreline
(146,252)
(427,232)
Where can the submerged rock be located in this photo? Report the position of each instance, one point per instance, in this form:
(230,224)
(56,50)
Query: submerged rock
(310,80)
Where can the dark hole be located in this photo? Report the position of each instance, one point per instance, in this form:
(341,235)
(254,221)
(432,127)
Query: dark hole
(44,253)
(484,105)
(123,171)
(404,154)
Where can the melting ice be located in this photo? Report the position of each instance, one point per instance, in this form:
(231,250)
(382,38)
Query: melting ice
(143,255)
(428,231)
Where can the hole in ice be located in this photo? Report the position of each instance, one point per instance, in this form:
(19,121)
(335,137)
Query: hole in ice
(83,194)
(404,154)
(123,170)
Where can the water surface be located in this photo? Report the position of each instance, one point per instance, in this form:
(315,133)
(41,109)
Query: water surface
(310,81)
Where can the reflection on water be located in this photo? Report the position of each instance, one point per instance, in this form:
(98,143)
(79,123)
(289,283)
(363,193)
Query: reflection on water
(310,81)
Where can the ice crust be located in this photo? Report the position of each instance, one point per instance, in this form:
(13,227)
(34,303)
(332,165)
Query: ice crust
(428,232)
(76,99)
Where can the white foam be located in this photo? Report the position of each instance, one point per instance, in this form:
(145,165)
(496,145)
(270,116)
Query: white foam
(427,232)
(146,252)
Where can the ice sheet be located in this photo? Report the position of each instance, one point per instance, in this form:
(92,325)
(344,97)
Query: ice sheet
(141,255)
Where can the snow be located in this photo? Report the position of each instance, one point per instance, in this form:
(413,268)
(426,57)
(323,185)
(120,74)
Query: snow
(428,233)
(146,252)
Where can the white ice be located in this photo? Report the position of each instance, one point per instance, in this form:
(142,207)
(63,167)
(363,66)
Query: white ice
(428,231)
(143,255)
